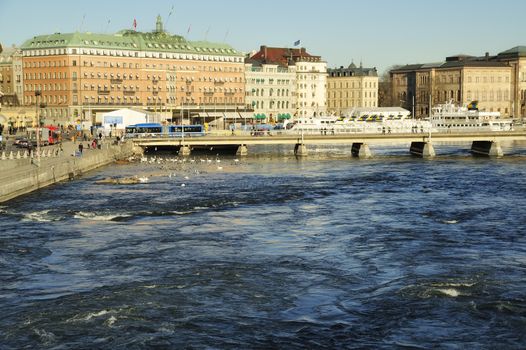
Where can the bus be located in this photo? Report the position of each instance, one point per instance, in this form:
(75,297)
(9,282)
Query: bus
(189,130)
(144,130)
(157,130)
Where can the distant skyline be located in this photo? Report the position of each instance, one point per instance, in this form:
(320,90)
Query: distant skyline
(379,33)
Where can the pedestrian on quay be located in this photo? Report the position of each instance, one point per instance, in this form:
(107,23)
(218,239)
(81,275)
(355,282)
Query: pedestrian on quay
(81,148)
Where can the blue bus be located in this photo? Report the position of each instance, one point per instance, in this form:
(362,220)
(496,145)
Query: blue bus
(157,130)
(189,130)
(144,130)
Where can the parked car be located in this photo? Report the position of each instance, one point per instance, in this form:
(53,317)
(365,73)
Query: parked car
(27,144)
(17,141)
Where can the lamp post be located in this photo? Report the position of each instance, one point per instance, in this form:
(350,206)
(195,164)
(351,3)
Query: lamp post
(38,93)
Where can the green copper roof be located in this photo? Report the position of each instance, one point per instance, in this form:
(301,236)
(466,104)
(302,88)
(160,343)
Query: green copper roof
(515,51)
(129,40)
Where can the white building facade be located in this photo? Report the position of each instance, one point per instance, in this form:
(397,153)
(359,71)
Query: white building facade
(298,77)
(311,87)
(271,90)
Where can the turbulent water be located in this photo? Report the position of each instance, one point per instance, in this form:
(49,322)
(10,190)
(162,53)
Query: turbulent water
(272,252)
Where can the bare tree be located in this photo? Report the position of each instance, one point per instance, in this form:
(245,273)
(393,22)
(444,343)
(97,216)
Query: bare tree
(385,96)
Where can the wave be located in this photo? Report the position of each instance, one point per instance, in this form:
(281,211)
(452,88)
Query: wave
(452,292)
(441,289)
(100,217)
(41,216)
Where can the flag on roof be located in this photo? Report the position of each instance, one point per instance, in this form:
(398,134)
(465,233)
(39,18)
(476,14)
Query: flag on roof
(297,42)
(135,24)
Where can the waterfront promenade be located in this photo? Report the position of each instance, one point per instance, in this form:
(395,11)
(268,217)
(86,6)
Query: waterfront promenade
(21,173)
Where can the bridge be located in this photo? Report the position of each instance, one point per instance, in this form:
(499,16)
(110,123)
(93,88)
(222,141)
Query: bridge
(422,144)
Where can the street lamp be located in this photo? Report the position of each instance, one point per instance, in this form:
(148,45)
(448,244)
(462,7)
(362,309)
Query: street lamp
(38,93)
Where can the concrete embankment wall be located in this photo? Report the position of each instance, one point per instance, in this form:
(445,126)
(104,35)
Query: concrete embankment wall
(24,175)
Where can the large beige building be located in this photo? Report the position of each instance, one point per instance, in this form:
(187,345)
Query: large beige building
(516,58)
(351,87)
(81,74)
(498,83)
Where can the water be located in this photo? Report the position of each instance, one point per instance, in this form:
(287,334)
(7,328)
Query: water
(272,252)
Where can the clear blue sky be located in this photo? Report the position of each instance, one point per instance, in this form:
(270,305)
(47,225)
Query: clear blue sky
(378,32)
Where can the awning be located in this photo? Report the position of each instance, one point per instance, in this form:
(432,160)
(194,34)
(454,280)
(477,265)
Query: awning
(283,116)
(260,116)
(232,115)
(246,115)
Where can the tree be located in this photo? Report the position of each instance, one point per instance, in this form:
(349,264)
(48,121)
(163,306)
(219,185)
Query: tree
(385,94)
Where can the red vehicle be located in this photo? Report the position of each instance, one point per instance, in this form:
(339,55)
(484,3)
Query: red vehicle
(51,134)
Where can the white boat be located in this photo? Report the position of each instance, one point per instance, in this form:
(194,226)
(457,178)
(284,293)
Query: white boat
(449,117)
(386,120)
(322,124)
(382,120)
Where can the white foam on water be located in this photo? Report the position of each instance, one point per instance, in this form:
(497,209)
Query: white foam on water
(39,216)
(181,212)
(151,287)
(449,292)
(95,314)
(96,217)
(45,336)
(450,222)
(110,321)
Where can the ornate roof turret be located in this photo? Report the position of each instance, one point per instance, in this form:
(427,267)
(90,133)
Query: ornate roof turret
(159,25)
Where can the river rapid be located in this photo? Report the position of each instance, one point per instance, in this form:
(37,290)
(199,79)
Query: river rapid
(270,251)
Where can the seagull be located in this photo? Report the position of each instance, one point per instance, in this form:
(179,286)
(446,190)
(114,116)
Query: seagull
(183,185)
(144,179)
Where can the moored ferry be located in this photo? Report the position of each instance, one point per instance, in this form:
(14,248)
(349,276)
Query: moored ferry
(449,117)
(360,120)
(312,125)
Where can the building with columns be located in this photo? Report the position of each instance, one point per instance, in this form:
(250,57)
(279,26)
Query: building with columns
(298,77)
(516,58)
(82,75)
(497,82)
(351,87)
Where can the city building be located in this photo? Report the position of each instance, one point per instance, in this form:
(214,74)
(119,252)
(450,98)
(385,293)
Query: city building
(493,81)
(299,75)
(516,58)
(270,89)
(351,87)
(10,76)
(77,77)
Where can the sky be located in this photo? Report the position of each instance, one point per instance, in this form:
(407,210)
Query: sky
(379,33)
